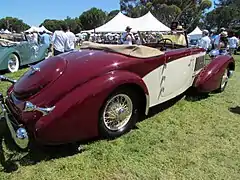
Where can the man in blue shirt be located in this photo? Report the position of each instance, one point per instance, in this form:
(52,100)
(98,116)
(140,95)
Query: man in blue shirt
(45,38)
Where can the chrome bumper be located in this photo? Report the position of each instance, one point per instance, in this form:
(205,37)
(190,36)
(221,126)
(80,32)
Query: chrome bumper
(18,132)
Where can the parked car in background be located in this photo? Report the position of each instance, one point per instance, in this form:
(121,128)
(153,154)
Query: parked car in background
(15,54)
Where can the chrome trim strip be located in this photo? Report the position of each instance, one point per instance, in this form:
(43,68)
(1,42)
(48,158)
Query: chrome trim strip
(29,107)
(147,104)
(34,69)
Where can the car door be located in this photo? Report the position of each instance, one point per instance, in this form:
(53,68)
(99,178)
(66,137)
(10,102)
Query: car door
(42,52)
(34,48)
(25,52)
(176,76)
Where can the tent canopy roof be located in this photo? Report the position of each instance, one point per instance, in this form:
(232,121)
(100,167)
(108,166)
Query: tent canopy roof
(38,29)
(119,23)
(42,28)
(7,31)
(196,31)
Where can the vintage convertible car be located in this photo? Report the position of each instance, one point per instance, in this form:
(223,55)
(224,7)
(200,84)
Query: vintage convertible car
(15,54)
(100,90)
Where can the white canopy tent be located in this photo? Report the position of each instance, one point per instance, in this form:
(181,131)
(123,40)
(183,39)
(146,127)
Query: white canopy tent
(148,23)
(196,33)
(32,29)
(38,29)
(119,23)
(42,28)
(7,32)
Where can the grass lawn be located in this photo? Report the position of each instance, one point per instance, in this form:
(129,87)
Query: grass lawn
(189,140)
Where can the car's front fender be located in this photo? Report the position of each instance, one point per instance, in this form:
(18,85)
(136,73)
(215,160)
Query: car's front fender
(76,115)
(209,78)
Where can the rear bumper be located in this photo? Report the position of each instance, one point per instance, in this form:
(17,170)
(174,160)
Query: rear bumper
(18,132)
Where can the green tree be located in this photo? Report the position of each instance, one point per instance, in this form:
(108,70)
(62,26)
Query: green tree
(227,14)
(185,11)
(112,14)
(74,24)
(13,24)
(93,18)
(52,24)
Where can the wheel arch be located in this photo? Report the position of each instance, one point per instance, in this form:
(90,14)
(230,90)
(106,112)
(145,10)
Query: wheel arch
(231,66)
(19,58)
(144,98)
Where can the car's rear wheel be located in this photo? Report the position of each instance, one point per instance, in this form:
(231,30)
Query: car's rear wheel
(224,81)
(119,114)
(13,63)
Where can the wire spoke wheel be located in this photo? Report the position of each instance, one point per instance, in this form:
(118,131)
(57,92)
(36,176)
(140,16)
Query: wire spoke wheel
(224,79)
(118,112)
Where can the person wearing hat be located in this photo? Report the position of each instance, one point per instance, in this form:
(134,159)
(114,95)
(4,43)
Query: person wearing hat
(223,42)
(127,37)
(180,38)
(218,37)
(205,41)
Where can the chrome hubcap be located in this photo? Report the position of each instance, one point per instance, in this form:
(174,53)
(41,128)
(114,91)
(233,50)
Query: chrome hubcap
(117,112)
(224,78)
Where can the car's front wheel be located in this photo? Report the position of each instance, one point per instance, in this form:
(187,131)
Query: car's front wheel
(224,81)
(13,63)
(119,113)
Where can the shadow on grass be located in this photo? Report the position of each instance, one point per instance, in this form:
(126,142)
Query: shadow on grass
(235,110)
(37,153)
(193,96)
(164,106)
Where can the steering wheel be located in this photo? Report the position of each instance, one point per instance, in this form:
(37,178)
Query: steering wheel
(164,43)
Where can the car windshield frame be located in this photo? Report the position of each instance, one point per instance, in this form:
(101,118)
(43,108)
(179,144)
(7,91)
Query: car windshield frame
(164,34)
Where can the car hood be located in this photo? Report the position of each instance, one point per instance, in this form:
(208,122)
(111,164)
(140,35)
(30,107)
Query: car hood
(66,72)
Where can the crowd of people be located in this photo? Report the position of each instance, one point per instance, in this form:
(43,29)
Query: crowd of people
(225,41)
(64,40)
(61,41)
(129,38)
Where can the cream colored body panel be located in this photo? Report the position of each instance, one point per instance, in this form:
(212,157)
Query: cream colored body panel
(171,79)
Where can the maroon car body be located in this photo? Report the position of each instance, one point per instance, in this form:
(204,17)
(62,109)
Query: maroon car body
(75,87)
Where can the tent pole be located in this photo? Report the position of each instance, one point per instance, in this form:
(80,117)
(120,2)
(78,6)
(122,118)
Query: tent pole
(94,31)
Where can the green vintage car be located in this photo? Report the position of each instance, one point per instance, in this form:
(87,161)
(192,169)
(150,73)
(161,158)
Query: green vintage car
(13,55)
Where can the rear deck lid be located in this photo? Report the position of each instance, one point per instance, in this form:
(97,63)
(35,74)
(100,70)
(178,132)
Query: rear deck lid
(39,76)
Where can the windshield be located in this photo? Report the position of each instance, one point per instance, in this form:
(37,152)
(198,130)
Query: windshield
(177,38)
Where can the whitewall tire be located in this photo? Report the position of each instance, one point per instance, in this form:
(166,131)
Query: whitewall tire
(13,63)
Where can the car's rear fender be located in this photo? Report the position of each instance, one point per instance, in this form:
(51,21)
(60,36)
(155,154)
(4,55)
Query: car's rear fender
(76,115)
(209,78)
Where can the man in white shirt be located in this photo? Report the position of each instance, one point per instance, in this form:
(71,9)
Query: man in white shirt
(60,41)
(35,37)
(233,43)
(205,41)
(127,37)
(71,38)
